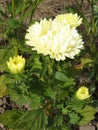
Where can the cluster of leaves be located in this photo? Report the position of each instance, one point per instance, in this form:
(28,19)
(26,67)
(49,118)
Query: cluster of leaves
(46,86)
(89,60)
(14,20)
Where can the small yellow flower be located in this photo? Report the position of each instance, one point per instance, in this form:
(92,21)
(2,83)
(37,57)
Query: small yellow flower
(72,19)
(82,93)
(16,64)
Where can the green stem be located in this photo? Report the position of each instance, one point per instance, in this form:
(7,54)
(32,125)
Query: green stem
(79,8)
(23,10)
(35,4)
(93,28)
(50,73)
(13,8)
(90,28)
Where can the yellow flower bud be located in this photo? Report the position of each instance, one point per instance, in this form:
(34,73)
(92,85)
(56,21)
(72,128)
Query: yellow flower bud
(16,64)
(72,19)
(82,93)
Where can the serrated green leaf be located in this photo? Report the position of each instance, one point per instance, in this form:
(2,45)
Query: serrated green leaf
(33,120)
(37,64)
(35,102)
(63,127)
(88,114)
(50,93)
(88,110)
(74,118)
(29,120)
(20,99)
(61,94)
(9,118)
(58,120)
(13,23)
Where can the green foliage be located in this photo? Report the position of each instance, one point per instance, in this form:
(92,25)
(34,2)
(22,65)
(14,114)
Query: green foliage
(3,88)
(9,118)
(19,98)
(64,127)
(67,81)
(50,93)
(30,120)
(74,118)
(88,114)
(61,77)
(5,54)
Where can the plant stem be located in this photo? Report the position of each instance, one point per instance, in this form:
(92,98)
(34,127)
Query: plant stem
(79,8)
(23,10)
(13,8)
(90,27)
(35,4)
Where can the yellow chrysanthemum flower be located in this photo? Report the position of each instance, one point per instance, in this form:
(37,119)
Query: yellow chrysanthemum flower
(16,64)
(72,19)
(54,38)
(82,93)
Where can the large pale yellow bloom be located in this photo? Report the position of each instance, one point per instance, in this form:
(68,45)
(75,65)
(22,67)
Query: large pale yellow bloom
(16,64)
(82,93)
(54,38)
(72,19)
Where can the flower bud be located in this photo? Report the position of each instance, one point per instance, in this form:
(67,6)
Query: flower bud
(16,64)
(82,93)
(72,19)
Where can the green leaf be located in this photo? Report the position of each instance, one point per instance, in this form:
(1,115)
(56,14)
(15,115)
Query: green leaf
(5,54)
(50,93)
(29,120)
(33,120)
(35,102)
(58,120)
(61,94)
(63,127)
(70,82)
(86,61)
(37,64)
(19,5)
(27,12)
(19,98)
(3,89)
(61,77)
(9,118)
(13,23)
(65,111)
(74,118)
(88,114)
